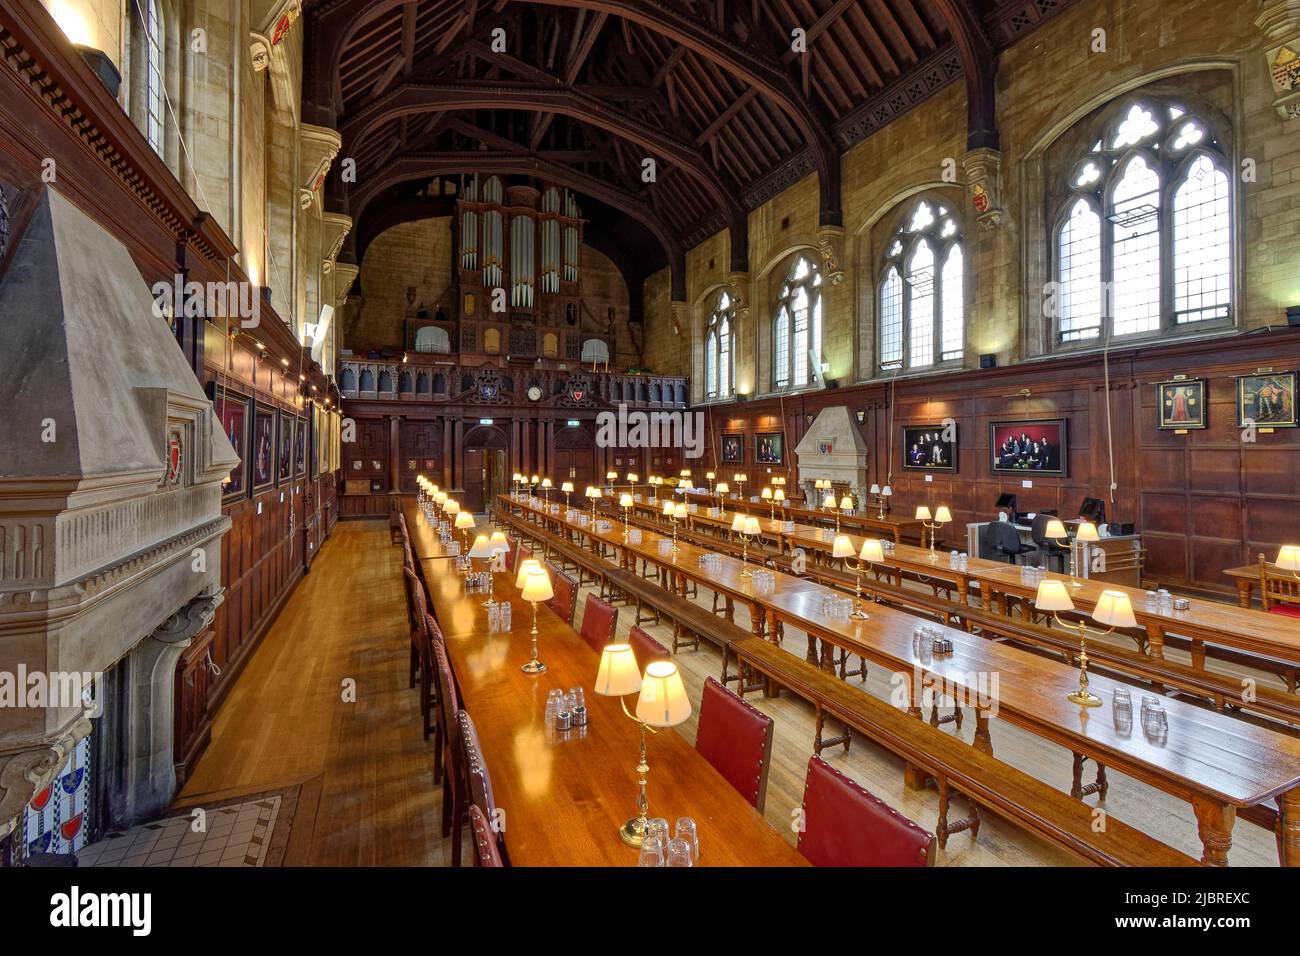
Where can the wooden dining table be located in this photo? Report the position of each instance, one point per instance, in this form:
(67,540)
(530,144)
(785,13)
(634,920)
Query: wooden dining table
(1218,763)
(893,525)
(565,794)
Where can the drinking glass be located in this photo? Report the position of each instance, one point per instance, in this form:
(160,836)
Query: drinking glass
(577,697)
(679,853)
(686,832)
(652,851)
(657,827)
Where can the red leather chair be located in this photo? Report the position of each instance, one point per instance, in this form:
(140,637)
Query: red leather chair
(476,772)
(645,648)
(598,622)
(843,825)
(736,739)
(565,601)
(487,850)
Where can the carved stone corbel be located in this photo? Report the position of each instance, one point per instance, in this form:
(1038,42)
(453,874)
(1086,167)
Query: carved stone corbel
(738,284)
(679,312)
(1279,21)
(983,169)
(28,772)
(259,49)
(830,244)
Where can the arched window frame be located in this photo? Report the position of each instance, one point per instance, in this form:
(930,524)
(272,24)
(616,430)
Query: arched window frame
(719,348)
(1171,164)
(896,349)
(791,367)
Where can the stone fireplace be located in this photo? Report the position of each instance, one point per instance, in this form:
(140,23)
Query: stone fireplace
(111,468)
(833,448)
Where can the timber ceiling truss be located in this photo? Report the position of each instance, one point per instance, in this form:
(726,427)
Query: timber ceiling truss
(582,93)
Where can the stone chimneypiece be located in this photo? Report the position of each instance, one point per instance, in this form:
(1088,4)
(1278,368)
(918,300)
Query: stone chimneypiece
(833,448)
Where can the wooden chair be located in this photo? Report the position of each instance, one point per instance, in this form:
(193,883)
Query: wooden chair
(447,762)
(598,622)
(645,648)
(514,541)
(429,691)
(736,739)
(565,600)
(487,850)
(415,615)
(476,773)
(844,825)
(1280,591)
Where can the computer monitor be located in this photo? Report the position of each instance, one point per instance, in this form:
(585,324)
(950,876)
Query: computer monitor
(1094,510)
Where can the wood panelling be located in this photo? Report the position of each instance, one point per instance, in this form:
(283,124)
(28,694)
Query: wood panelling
(1204,501)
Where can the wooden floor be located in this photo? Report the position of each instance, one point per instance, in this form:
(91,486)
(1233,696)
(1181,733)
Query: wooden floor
(286,721)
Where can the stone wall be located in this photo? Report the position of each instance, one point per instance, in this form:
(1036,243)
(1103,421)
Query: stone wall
(412,254)
(1047,84)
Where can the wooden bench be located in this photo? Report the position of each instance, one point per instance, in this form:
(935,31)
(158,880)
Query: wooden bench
(957,766)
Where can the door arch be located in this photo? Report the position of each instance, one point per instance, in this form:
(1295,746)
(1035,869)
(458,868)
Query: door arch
(484,468)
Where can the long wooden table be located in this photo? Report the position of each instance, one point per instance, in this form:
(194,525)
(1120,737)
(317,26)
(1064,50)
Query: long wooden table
(565,794)
(1218,763)
(893,525)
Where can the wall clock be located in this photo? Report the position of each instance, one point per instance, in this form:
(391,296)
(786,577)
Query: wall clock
(534,393)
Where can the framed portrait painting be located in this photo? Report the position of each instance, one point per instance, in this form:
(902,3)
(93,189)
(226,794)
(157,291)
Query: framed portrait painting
(733,449)
(1181,404)
(284,470)
(1029,447)
(769,448)
(930,447)
(1267,399)
(232,411)
(300,448)
(263,452)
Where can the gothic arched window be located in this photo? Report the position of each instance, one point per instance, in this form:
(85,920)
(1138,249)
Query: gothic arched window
(1143,239)
(797,327)
(718,364)
(921,301)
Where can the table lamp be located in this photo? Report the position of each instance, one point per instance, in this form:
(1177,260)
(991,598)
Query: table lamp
(778,499)
(654,481)
(1085,534)
(593,495)
(464,521)
(532,485)
(1288,559)
(625,502)
(546,490)
(516,479)
(872,552)
(846,507)
(886,492)
(450,507)
(662,703)
(567,488)
(536,587)
(481,550)
(766,495)
(709,476)
(679,514)
(1113,609)
(610,478)
(632,479)
(740,480)
(722,490)
(747,527)
(439,499)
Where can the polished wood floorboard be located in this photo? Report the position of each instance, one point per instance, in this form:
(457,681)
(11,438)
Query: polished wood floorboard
(286,721)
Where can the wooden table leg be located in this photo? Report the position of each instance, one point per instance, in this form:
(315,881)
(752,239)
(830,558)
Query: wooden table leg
(983,740)
(1214,824)
(1288,828)
(1244,586)
(1156,641)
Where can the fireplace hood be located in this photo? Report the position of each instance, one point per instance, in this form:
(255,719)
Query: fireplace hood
(833,448)
(111,468)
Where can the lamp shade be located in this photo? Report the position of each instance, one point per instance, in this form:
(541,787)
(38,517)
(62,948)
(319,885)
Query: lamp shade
(1052,596)
(942,514)
(723,487)
(663,701)
(567,487)
(685,473)
(526,565)
(632,477)
(1288,557)
(517,477)
(886,492)
(546,482)
(751,524)
(464,520)
(1055,531)
(874,489)
(829,500)
(451,506)
(668,508)
(778,495)
(481,548)
(738,523)
(592,492)
(625,500)
(842,547)
(872,551)
(1113,608)
(684,485)
(440,498)
(535,479)
(709,476)
(846,503)
(766,494)
(611,476)
(1087,531)
(537,586)
(498,542)
(679,511)
(617,675)
(922,513)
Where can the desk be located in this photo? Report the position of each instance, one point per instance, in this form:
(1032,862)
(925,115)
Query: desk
(565,795)
(1117,559)
(1218,763)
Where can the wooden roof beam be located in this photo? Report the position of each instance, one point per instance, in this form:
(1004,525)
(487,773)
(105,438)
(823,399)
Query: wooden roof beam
(979,66)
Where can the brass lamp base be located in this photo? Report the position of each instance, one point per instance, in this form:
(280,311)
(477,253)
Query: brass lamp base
(1083,698)
(534,667)
(633,831)
(858,614)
